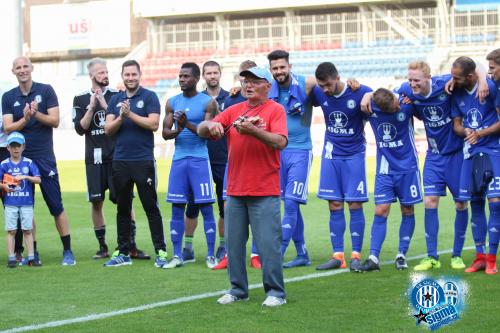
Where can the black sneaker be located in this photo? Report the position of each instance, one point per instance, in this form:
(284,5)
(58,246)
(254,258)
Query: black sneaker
(355,265)
(139,254)
(400,262)
(37,261)
(333,263)
(188,255)
(101,254)
(12,263)
(369,265)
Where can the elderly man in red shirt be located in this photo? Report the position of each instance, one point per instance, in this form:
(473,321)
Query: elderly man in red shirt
(256,132)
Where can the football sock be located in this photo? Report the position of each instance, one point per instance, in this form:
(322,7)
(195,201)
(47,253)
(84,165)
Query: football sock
(406,230)
(66,240)
(209,226)
(494,227)
(431,225)
(357,228)
(100,234)
(461,221)
(298,235)
(478,223)
(177,228)
(289,223)
(378,232)
(337,229)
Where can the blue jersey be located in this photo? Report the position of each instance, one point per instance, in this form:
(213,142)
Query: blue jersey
(298,109)
(187,143)
(477,116)
(217,149)
(232,100)
(396,152)
(23,194)
(345,123)
(435,112)
(134,143)
(39,142)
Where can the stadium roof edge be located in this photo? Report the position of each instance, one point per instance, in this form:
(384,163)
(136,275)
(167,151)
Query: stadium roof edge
(154,8)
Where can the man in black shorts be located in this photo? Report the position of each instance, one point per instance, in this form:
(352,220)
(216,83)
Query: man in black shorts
(89,117)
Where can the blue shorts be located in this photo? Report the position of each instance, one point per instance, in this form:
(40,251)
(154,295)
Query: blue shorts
(191,180)
(441,171)
(405,187)
(343,179)
(51,190)
(224,187)
(294,174)
(493,189)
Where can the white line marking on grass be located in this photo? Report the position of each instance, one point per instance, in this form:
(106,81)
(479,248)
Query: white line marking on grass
(145,307)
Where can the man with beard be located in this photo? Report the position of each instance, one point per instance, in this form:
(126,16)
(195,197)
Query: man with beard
(477,122)
(190,175)
(343,176)
(217,152)
(32,108)
(292,92)
(132,116)
(89,117)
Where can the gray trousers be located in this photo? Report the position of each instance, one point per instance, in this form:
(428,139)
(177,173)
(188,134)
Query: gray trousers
(264,217)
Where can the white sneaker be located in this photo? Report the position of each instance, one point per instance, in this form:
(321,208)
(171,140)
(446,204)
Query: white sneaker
(174,263)
(228,299)
(211,262)
(273,301)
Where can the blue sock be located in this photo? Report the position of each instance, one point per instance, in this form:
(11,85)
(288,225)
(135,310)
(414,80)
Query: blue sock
(461,221)
(494,227)
(298,236)
(337,229)
(177,228)
(254,247)
(406,230)
(289,223)
(357,228)
(478,222)
(210,227)
(431,223)
(379,230)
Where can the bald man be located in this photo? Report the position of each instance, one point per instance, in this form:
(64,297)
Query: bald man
(32,108)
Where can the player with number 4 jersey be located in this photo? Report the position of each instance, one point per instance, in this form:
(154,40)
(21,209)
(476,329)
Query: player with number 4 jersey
(343,176)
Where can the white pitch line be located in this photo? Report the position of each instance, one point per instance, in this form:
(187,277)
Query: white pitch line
(95,316)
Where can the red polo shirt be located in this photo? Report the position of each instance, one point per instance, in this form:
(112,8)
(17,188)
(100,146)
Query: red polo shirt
(253,167)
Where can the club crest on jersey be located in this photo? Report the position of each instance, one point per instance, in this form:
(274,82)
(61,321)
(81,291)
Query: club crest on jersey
(338,119)
(26,170)
(401,116)
(140,104)
(442,97)
(387,132)
(433,113)
(351,104)
(474,118)
(38,98)
(100,118)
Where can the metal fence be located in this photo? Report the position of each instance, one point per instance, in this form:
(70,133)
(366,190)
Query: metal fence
(369,26)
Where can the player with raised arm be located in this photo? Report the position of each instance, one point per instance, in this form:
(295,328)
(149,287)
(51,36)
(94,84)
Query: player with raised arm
(343,175)
(433,106)
(292,92)
(478,122)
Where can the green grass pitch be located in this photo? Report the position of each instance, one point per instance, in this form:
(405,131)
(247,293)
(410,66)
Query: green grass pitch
(346,302)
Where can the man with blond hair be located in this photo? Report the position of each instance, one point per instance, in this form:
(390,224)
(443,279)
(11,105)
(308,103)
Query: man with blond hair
(433,107)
